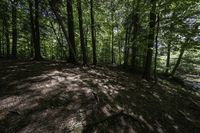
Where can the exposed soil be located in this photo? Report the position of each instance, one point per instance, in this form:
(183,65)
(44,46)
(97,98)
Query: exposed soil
(59,97)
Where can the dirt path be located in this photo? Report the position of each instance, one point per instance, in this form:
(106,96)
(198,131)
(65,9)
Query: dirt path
(58,97)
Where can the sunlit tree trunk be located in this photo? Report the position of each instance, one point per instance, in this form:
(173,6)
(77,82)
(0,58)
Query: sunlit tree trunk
(156,47)
(182,50)
(93,33)
(152,23)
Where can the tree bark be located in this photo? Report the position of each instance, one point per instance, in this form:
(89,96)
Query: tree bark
(5,19)
(182,50)
(112,35)
(93,33)
(14,29)
(60,22)
(135,34)
(156,53)
(83,48)
(37,32)
(152,23)
(33,39)
(71,29)
(126,49)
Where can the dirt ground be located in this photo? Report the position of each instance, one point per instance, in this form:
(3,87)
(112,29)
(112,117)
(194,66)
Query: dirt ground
(59,97)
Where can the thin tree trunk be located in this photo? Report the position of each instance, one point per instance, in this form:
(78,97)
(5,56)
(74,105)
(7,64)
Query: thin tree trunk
(182,50)
(126,49)
(112,36)
(168,58)
(54,31)
(152,23)
(93,33)
(71,30)
(3,42)
(14,29)
(5,19)
(83,48)
(156,47)
(33,38)
(37,32)
(135,34)
(60,22)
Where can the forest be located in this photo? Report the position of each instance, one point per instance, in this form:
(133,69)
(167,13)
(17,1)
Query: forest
(100,66)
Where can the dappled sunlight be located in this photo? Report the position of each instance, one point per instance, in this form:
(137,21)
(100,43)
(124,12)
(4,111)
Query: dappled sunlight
(88,99)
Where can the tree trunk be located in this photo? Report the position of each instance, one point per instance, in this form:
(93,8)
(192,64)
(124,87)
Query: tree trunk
(37,32)
(152,23)
(112,36)
(71,30)
(156,53)
(83,48)
(135,34)
(33,39)
(179,59)
(14,29)
(5,19)
(3,42)
(168,58)
(60,22)
(93,33)
(126,49)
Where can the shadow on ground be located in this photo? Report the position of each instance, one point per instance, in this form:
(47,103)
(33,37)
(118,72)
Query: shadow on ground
(59,97)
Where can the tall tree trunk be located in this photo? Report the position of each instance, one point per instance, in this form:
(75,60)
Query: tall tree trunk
(37,32)
(33,38)
(5,19)
(71,30)
(52,4)
(14,29)
(182,50)
(3,41)
(168,58)
(135,34)
(93,33)
(126,49)
(112,36)
(156,47)
(83,48)
(152,23)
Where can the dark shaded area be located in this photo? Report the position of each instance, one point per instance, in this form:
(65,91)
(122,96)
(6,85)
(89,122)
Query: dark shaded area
(59,97)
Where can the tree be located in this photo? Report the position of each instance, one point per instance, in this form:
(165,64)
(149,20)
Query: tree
(71,30)
(93,33)
(14,29)
(83,48)
(53,4)
(37,32)
(152,23)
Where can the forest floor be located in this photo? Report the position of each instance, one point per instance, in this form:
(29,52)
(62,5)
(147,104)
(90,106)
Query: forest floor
(59,97)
